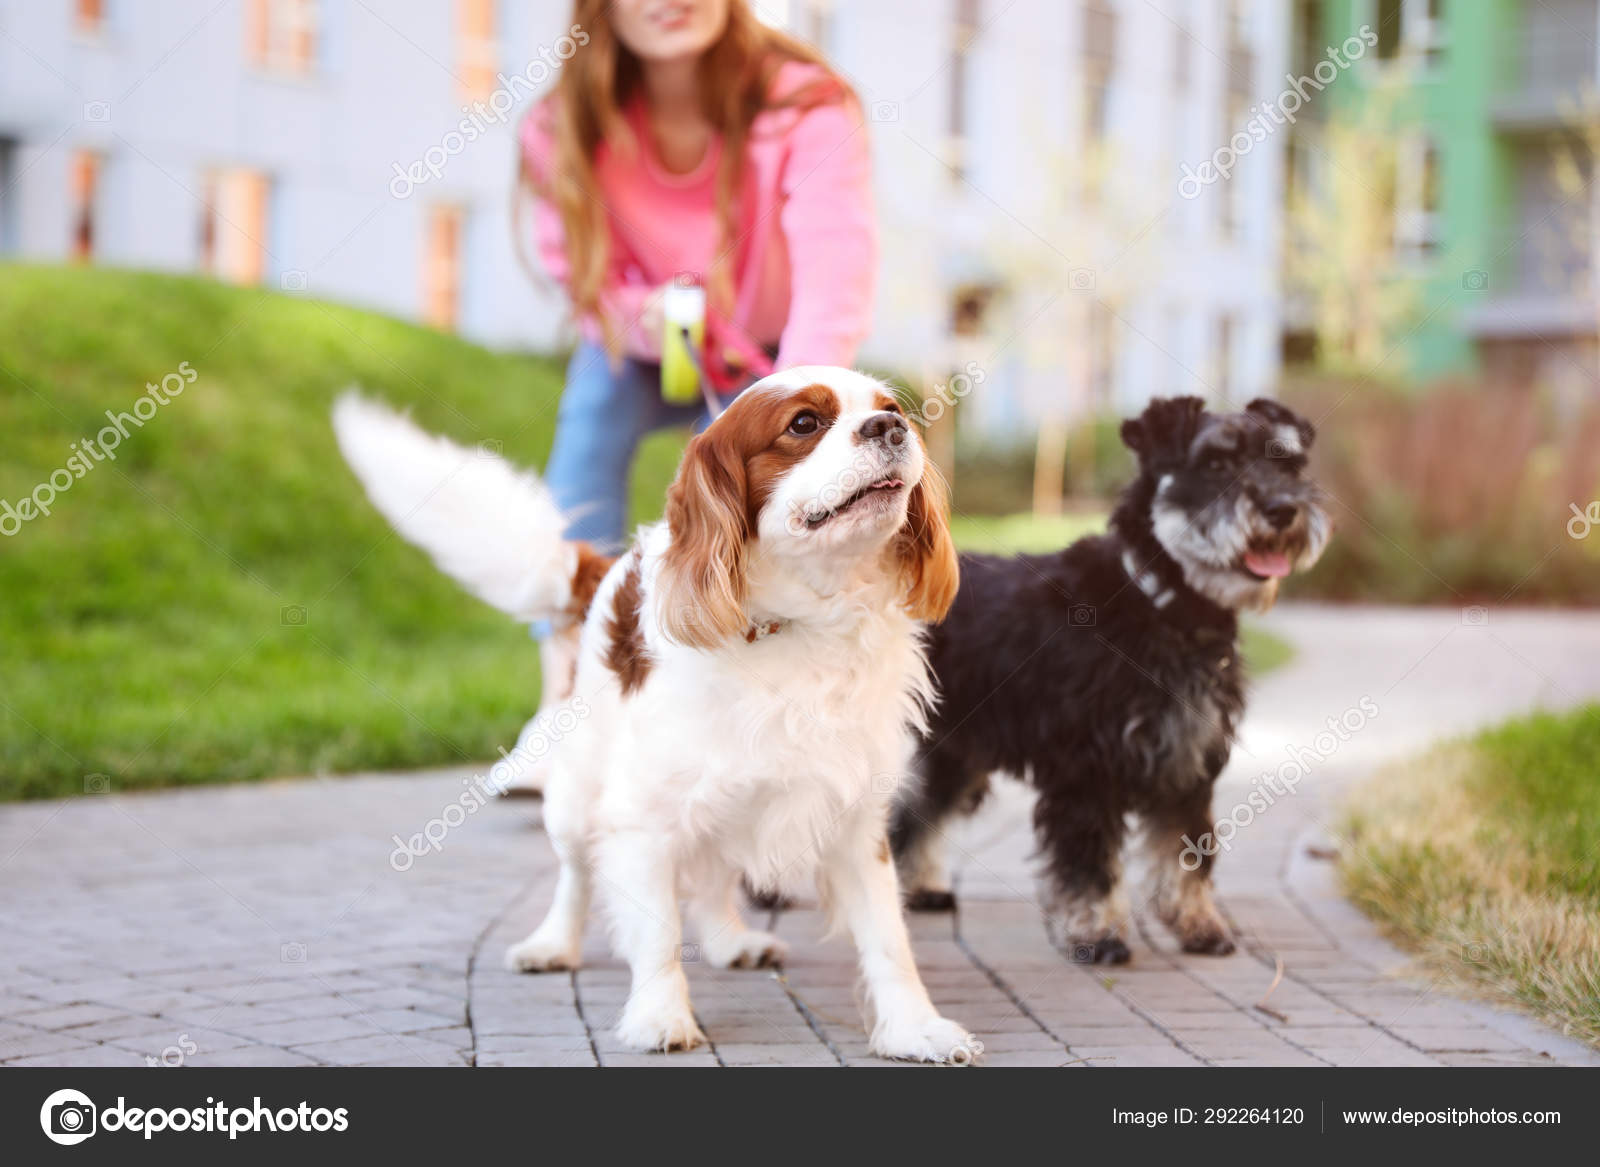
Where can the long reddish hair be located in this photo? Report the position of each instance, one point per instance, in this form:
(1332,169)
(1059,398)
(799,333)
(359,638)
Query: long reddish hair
(736,77)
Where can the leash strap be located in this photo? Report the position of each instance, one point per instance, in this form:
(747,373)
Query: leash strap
(714,406)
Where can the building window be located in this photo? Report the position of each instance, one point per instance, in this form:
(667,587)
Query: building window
(1416,230)
(1223,364)
(234,225)
(962,33)
(818,23)
(1102,355)
(1182,58)
(89,17)
(1236,90)
(441,267)
(1409,29)
(1099,62)
(1309,44)
(283,35)
(86,169)
(477,48)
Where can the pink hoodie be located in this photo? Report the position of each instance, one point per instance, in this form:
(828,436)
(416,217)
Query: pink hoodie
(805,250)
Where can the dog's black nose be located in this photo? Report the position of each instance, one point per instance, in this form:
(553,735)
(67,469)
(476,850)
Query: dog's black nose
(885,426)
(1282,514)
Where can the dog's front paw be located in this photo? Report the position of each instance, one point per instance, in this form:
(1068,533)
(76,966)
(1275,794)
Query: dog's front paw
(746,950)
(1106,950)
(926,900)
(537,954)
(1209,939)
(659,1029)
(934,1039)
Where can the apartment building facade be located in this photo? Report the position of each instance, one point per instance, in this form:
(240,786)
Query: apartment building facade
(264,141)
(1028,163)
(1496,122)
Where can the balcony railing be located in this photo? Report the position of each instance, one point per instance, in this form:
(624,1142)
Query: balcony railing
(1549,66)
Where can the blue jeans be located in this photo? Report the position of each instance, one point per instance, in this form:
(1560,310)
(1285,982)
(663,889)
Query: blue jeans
(605,412)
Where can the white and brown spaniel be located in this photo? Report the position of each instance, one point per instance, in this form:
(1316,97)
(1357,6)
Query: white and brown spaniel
(753,670)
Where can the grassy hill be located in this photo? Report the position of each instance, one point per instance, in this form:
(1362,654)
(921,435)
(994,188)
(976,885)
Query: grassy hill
(149,627)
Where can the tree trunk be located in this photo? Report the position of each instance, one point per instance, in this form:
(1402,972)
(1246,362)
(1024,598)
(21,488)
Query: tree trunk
(1049,467)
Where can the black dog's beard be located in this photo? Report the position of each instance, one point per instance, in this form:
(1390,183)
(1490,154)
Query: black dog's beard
(1219,548)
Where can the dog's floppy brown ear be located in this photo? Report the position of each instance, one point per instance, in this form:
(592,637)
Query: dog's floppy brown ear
(1164,429)
(926,550)
(703,582)
(1278,413)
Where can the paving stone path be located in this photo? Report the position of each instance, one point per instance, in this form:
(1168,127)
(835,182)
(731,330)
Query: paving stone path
(266,925)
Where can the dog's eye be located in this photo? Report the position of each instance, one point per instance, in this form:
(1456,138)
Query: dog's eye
(805,424)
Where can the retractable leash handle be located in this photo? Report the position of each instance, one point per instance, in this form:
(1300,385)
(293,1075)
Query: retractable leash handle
(683,372)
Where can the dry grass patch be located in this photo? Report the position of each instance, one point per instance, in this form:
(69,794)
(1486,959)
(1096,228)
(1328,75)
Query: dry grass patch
(1484,858)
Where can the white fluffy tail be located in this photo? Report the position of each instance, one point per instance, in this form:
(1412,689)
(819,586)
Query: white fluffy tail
(489,526)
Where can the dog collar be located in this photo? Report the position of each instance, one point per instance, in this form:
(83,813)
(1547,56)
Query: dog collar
(762,630)
(1146,580)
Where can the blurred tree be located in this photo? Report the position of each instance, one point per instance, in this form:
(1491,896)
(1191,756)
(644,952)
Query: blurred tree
(1571,246)
(1343,264)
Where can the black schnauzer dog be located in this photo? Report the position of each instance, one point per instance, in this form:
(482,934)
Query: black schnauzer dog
(1108,674)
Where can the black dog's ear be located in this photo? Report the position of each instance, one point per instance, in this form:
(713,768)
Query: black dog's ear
(1280,414)
(1166,427)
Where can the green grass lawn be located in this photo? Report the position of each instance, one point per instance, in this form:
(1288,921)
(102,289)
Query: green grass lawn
(148,623)
(1485,859)
(151,631)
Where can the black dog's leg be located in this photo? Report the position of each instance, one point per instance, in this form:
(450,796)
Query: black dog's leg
(917,830)
(1181,848)
(1079,821)
(765,899)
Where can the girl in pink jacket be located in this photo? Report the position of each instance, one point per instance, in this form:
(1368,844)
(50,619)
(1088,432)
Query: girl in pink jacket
(687,143)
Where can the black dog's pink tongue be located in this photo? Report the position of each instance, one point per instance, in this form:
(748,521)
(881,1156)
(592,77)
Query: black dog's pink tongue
(1268,564)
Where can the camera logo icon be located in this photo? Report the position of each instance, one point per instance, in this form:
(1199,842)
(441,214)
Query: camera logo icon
(97,111)
(292,616)
(292,280)
(1475,281)
(885,111)
(68,1117)
(1081,279)
(1475,616)
(1082,615)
